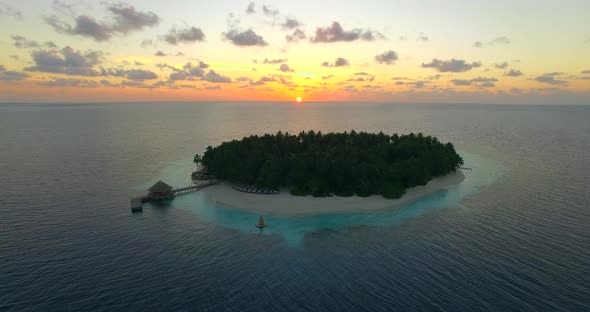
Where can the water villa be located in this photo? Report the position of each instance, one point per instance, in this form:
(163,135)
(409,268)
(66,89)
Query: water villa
(161,191)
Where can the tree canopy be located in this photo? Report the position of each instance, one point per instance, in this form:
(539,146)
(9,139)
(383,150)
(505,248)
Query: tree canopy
(342,164)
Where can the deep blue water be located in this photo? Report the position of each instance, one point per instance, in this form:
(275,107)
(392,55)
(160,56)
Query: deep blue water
(514,237)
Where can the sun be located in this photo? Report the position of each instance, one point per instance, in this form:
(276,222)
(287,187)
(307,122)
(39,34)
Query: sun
(299,99)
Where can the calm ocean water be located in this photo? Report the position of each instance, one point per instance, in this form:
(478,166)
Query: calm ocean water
(514,237)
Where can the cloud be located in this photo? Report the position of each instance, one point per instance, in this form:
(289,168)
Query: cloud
(125,19)
(480,81)
(251,9)
(291,23)
(214,77)
(24,43)
(245,38)
(160,53)
(422,37)
(269,12)
(327,77)
(550,80)
(388,57)
(70,82)
(140,74)
(270,61)
(335,33)
(453,65)
(501,65)
(146,43)
(513,73)
(9,75)
(586,71)
(8,10)
(500,41)
(553,74)
(189,71)
(297,36)
(339,62)
(461,82)
(66,61)
(188,34)
(285,68)
(495,42)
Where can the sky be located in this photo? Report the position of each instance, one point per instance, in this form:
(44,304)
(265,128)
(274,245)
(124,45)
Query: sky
(424,51)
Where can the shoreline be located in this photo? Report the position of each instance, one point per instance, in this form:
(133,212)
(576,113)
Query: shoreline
(285,204)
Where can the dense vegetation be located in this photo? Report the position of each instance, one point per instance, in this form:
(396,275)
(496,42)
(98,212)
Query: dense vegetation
(343,164)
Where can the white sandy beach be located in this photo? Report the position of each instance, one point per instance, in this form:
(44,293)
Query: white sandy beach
(284,204)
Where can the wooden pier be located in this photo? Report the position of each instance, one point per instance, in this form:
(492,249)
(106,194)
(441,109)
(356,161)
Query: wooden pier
(137,202)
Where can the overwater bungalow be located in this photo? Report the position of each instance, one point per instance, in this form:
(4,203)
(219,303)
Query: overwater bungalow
(161,191)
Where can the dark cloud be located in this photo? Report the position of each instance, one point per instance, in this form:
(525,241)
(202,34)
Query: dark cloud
(339,62)
(218,87)
(285,68)
(461,82)
(297,36)
(160,53)
(586,71)
(327,77)
(478,44)
(139,63)
(24,43)
(291,23)
(452,65)
(487,85)
(189,71)
(251,9)
(125,19)
(553,74)
(269,12)
(8,10)
(501,65)
(388,57)
(550,80)
(335,33)
(513,73)
(140,74)
(245,38)
(9,75)
(214,77)
(188,34)
(66,61)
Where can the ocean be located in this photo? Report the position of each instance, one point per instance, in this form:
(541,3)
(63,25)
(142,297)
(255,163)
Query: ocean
(515,236)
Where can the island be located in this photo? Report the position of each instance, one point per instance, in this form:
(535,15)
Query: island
(313,172)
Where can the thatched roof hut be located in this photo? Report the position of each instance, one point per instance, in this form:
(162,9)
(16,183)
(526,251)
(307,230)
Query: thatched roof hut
(160,191)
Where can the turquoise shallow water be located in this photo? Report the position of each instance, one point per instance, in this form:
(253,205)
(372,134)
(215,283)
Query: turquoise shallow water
(294,229)
(512,237)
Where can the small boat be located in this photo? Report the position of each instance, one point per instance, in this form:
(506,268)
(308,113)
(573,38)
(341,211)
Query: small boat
(261,223)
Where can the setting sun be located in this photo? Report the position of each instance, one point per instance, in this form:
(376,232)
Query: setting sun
(299,99)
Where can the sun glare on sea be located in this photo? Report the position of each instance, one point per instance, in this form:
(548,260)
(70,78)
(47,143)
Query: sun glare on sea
(299,99)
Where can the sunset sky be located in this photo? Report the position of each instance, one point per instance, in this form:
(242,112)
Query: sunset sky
(533,52)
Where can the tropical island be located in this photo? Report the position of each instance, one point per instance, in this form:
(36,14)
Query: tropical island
(315,165)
